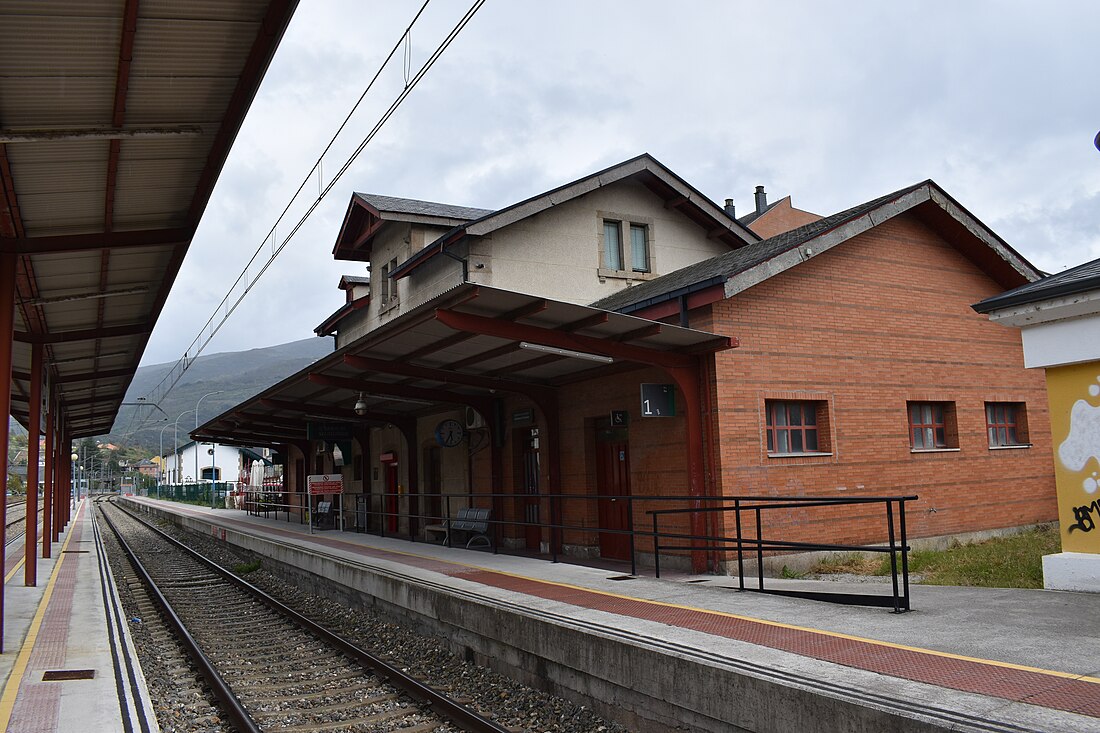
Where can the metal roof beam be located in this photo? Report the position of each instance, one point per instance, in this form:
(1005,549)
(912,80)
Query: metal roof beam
(31,135)
(89,376)
(383,390)
(87,334)
(446,376)
(470,323)
(83,242)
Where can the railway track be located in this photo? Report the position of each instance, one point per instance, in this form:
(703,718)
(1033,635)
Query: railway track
(271,668)
(16,528)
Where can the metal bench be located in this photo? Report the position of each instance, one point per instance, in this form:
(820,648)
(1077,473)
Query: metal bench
(474,522)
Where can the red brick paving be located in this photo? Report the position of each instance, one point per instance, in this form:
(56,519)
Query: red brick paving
(1008,683)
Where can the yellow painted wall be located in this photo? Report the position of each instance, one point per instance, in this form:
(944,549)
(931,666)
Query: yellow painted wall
(1074,393)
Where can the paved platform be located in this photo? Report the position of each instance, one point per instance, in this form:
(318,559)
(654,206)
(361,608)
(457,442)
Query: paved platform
(691,650)
(70,622)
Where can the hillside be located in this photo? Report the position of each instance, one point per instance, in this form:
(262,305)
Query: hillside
(237,374)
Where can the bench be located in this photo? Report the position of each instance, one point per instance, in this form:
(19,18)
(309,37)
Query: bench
(473,522)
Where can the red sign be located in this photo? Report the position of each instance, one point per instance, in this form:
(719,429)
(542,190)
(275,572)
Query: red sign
(325,484)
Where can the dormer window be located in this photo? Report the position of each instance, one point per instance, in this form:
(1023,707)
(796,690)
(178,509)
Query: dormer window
(625,248)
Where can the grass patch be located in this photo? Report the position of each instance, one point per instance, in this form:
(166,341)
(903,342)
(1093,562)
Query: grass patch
(1002,562)
(245,568)
(847,562)
(1014,561)
(787,572)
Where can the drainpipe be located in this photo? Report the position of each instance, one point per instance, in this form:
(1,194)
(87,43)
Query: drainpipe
(465,262)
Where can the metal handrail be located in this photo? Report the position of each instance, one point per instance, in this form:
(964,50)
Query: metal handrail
(697,505)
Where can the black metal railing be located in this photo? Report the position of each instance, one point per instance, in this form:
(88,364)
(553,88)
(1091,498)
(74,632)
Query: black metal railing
(896,547)
(395,515)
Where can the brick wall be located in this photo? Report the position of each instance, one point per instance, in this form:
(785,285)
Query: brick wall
(781,218)
(877,321)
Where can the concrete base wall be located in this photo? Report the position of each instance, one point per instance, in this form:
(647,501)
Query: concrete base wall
(1078,571)
(645,684)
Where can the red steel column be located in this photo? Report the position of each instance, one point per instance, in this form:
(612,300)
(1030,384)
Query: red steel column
(34,422)
(63,497)
(50,479)
(7,333)
(688,382)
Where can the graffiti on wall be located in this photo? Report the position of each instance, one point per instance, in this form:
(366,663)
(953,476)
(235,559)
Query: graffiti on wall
(1074,393)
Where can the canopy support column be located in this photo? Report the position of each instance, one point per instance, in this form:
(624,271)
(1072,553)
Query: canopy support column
(34,422)
(7,333)
(50,474)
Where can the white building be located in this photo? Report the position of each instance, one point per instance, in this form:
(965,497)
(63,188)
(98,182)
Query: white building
(193,462)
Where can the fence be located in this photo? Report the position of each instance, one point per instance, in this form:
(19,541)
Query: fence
(196,493)
(398,515)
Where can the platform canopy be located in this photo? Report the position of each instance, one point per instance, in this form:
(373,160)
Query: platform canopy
(116,117)
(460,349)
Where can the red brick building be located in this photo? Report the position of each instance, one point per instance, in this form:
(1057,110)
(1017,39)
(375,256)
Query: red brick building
(516,359)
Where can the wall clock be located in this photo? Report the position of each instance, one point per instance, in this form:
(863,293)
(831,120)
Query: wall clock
(449,433)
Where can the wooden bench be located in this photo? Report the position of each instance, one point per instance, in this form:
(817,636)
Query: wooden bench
(472,522)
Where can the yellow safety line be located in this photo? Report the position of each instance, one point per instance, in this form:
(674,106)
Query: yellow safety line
(711,612)
(15,570)
(19,669)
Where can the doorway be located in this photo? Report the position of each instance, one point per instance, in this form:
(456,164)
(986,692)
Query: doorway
(527,471)
(391,487)
(613,486)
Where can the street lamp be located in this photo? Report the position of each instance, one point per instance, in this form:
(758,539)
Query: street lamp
(175,441)
(75,457)
(160,472)
(197,448)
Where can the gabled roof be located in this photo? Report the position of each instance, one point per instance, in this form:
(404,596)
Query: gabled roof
(1080,279)
(745,267)
(389,205)
(367,212)
(348,281)
(676,192)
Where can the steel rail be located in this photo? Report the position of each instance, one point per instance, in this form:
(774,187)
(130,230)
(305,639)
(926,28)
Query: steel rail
(442,704)
(242,721)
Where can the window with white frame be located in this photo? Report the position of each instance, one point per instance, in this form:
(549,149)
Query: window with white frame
(626,246)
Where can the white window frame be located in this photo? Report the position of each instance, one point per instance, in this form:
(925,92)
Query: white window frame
(625,224)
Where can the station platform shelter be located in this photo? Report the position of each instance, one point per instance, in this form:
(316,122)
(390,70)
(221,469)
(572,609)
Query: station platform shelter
(69,662)
(692,652)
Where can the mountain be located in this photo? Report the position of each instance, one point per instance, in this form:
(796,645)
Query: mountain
(237,375)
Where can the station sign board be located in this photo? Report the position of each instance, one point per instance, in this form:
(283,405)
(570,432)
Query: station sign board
(658,400)
(325,483)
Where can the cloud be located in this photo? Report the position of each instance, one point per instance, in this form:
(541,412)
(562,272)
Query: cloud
(832,103)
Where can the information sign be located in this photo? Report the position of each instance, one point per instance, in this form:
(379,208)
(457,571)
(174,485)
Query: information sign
(658,400)
(326,483)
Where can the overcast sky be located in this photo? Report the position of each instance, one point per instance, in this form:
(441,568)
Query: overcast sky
(834,103)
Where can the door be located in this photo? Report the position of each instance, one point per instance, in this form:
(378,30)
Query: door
(391,496)
(528,468)
(613,485)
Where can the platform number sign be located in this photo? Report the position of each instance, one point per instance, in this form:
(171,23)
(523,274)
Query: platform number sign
(658,400)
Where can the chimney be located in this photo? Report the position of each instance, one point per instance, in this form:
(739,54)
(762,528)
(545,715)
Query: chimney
(761,200)
(729,209)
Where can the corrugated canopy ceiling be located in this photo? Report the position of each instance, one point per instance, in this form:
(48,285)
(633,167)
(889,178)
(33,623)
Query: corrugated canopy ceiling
(116,117)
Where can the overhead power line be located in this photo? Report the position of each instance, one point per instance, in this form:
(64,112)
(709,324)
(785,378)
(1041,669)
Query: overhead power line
(229,303)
